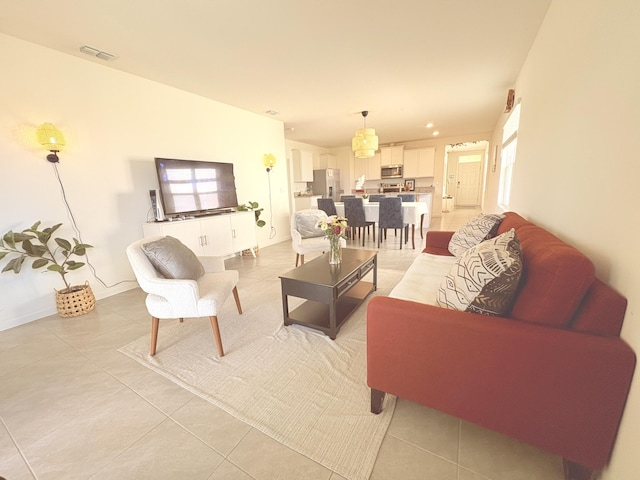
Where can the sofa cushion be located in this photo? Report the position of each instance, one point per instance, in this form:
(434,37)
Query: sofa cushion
(555,280)
(173,259)
(476,230)
(307,223)
(422,279)
(485,279)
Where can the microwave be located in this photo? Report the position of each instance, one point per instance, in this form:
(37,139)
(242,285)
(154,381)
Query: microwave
(391,171)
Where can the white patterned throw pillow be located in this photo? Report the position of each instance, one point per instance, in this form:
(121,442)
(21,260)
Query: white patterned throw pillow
(485,279)
(478,229)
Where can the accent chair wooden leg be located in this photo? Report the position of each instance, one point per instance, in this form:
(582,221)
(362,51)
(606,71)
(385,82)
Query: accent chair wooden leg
(181,320)
(301,259)
(237,299)
(575,471)
(216,334)
(297,258)
(377,397)
(421,223)
(155,322)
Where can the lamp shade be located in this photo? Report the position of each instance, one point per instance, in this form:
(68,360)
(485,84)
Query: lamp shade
(365,143)
(269,160)
(50,137)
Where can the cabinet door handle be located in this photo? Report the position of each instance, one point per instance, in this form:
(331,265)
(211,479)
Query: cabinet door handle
(204,239)
(233,233)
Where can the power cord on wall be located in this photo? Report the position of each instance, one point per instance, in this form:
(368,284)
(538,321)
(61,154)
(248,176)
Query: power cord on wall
(77,230)
(272,232)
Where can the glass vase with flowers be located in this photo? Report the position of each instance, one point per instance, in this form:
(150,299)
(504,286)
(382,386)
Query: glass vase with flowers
(335,229)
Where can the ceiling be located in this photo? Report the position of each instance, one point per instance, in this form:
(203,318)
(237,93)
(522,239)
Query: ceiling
(317,63)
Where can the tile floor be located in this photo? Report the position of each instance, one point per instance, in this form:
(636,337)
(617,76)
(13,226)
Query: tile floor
(72,407)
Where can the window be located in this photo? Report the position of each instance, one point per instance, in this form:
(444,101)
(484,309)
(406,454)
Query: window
(509,144)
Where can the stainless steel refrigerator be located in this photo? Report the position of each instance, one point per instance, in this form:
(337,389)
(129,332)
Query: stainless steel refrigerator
(327,183)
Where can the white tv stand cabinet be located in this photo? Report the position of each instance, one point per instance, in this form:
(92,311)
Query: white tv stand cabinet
(216,235)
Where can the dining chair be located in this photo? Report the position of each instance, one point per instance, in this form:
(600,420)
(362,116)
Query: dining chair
(181,285)
(390,216)
(342,197)
(354,213)
(407,197)
(328,206)
(376,198)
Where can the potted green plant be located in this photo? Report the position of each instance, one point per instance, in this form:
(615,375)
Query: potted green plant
(34,243)
(252,206)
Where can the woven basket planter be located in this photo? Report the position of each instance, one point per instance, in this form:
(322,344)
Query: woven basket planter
(75,301)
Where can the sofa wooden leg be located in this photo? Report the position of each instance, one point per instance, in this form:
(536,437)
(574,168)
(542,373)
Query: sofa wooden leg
(377,397)
(575,471)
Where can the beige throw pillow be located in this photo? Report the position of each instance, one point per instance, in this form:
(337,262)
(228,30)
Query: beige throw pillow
(485,279)
(476,230)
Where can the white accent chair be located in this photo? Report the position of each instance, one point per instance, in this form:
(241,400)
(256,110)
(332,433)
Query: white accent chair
(303,243)
(174,298)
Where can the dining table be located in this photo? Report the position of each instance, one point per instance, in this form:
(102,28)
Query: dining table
(411,214)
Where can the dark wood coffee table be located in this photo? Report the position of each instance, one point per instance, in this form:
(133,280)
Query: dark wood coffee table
(333,292)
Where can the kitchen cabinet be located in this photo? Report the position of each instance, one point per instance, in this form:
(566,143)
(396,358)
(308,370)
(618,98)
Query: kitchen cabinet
(302,165)
(216,235)
(305,202)
(419,162)
(392,155)
(326,160)
(369,167)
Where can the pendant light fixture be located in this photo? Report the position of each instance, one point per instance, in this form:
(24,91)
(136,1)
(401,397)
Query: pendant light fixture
(365,142)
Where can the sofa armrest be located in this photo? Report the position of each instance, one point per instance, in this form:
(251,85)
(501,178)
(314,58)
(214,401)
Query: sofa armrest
(556,389)
(437,242)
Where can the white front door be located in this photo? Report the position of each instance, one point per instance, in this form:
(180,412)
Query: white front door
(468,186)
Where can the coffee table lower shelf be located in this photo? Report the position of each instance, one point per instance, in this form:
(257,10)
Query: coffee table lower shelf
(316,314)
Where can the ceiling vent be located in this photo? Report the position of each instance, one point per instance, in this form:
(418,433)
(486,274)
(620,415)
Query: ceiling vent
(94,52)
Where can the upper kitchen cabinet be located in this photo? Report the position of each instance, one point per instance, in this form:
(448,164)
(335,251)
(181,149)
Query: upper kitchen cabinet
(392,155)
(419,162)
(302,165)
(325,160)
(369,167)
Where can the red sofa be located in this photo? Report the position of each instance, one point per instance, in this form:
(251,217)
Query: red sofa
(554,373)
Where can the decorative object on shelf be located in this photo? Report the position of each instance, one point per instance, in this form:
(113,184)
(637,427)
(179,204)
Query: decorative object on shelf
(360,184)
(269,161)
(335,229)
(365,142)
(511,97)
(409,185)
(52,139)
(71,301)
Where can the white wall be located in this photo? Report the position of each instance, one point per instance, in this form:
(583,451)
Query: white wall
(115,124)
(577,167)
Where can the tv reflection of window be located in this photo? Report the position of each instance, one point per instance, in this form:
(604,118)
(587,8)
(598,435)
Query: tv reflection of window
(193,189)
(193,186)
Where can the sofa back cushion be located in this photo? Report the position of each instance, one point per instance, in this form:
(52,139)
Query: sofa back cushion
(555,278)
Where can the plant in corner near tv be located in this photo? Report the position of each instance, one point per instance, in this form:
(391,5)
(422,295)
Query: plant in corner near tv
(35,243)
(253,206)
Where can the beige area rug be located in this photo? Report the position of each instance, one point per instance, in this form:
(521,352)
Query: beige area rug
(292,383)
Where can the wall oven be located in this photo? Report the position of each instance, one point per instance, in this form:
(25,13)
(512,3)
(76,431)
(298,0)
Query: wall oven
(391,171)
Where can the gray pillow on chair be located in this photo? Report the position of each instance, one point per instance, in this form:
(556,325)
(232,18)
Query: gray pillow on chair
(173,259)
(307,221)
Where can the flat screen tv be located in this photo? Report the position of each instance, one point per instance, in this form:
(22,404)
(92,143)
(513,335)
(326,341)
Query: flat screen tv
(194,187)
